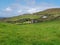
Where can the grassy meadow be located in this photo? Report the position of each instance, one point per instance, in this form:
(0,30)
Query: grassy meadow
(45,33)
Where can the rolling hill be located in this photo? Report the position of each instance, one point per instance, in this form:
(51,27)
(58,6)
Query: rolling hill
(52,11)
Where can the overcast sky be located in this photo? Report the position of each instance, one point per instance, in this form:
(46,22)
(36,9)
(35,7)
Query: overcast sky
(10,8)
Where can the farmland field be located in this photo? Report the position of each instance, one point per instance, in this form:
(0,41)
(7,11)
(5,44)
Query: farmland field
(45,33)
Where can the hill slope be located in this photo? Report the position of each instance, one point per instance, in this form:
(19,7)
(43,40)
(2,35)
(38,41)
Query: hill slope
(52,11)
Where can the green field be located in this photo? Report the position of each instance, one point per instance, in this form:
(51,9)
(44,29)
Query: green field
(45,33)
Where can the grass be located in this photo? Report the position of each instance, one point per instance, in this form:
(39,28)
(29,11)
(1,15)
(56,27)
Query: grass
(45,33)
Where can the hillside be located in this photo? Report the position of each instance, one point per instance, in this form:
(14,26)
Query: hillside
(46,33)
(52,11)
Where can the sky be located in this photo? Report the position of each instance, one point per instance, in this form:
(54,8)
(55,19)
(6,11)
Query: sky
(9,8)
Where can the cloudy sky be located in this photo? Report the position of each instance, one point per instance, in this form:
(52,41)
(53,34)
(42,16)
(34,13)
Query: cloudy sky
(10,8)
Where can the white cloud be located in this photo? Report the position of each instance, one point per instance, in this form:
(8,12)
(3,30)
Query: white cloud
(19,11)
(8,9)
(33,10)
